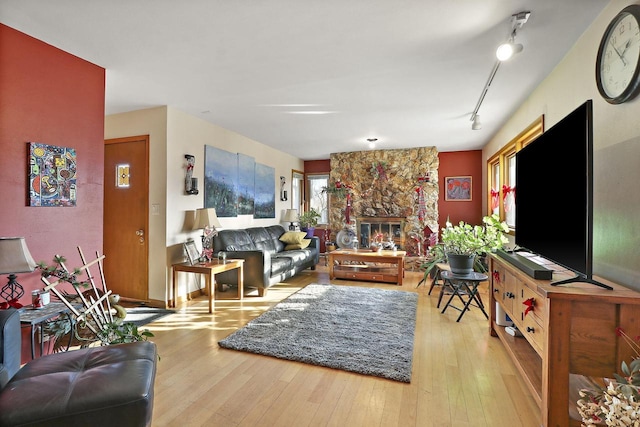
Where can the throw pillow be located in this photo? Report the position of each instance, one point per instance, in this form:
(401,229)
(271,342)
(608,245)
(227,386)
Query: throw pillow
(303,244)
(293,237)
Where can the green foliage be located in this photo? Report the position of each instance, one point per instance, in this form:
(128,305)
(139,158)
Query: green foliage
(57,270)
(465,239)
(114,333)
(309,218)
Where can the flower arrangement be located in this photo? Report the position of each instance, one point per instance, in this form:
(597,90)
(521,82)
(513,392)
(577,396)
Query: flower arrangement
(618,404)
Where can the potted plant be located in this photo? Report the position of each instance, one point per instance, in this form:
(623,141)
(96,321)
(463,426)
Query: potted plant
(308,221)
(466,244)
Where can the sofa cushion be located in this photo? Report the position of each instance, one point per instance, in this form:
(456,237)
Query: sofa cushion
(233,240)
(263,240)
(293,237)
(97,386)
(294,256)
(280,264)
(302,245)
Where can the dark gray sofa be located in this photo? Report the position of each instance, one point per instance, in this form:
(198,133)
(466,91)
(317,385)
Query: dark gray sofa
(266,260)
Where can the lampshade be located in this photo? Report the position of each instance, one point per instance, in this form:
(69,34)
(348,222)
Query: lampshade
(15,256)
(291,215)
(206,217)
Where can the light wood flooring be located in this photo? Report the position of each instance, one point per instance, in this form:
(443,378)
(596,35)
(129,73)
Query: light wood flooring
(461,375)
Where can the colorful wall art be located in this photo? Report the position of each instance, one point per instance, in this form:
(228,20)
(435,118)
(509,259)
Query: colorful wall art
(52,175)
(234,184)
(246,184)
(221,181)
(457,188)
(265,195)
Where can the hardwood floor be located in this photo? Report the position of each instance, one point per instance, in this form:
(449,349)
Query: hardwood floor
(461,375)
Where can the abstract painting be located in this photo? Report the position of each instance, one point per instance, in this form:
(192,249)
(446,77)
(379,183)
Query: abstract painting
(246,184)
(457,188)
(52,175)
(265,193)
(221,181)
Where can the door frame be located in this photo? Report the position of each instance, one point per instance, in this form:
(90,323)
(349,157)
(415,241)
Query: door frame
(122,140)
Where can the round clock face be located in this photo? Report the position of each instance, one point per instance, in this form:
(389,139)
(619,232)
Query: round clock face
(618,62)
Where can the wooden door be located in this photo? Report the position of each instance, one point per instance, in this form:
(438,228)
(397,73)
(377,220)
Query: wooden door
(126,195)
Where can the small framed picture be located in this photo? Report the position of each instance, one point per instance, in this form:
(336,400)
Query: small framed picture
(457,188)
(192,252)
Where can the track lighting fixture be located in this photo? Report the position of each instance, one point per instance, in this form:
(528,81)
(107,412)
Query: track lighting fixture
(503,53)
(476,123)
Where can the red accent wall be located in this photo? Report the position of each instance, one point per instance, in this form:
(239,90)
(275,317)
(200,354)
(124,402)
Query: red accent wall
(52,97)
(317,166)
(461,163)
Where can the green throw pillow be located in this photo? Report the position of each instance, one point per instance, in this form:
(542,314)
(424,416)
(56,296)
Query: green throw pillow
(293,237)
(303,244)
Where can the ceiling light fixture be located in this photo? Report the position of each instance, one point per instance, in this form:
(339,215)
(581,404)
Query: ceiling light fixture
(476,123)
(504,52)
(372,142)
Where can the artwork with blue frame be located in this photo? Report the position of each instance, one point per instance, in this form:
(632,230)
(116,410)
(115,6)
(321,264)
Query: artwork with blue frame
(52,175)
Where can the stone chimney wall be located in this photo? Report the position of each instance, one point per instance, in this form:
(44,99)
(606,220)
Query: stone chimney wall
(385,183)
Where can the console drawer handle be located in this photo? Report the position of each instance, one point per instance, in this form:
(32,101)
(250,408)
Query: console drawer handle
(530,329)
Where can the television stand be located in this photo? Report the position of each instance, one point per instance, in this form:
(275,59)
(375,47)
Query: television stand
(567,331)
(582,280)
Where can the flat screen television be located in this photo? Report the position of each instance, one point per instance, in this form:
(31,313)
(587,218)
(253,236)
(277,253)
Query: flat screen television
(553,197)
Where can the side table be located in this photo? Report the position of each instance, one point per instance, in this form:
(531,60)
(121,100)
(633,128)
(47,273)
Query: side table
(209,269)
(35,317)
(461,286)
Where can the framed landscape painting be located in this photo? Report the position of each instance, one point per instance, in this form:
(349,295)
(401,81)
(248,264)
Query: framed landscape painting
(458,188)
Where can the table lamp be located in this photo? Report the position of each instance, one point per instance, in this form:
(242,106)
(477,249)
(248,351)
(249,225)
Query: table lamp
(291,215)
(206,218)
(14,258)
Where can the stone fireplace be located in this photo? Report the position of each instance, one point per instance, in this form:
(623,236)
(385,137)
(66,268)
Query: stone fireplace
(386,186)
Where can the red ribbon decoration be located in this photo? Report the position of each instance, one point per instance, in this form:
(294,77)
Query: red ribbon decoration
(13,303)
(530,303)
(495,199)
(496,276)
(347,211)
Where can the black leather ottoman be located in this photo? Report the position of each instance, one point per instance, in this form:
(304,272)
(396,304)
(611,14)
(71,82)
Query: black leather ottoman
(98,386)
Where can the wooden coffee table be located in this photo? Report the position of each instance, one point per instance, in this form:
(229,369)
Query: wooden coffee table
(209,269)
(363,264)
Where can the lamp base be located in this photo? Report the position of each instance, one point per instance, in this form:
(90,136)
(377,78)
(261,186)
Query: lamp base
(12,290)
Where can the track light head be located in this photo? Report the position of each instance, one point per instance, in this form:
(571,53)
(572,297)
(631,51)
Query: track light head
(506,50)
(476,125)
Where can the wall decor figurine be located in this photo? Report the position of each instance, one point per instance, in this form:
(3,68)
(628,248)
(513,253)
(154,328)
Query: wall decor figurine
(190,183)
(52,175)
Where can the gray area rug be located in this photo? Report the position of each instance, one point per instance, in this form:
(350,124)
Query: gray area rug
(363,330)
(142,315)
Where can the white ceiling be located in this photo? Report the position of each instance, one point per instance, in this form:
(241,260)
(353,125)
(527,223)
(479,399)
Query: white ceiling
(408,72)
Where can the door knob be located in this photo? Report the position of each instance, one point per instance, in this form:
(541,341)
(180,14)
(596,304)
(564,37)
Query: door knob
(140,233)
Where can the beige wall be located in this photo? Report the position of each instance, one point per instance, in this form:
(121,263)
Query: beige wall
(616,151)
(172,134)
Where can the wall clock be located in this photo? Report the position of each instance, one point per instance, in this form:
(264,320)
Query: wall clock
(618,60)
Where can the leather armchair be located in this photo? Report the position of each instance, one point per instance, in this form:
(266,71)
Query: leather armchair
(96,386)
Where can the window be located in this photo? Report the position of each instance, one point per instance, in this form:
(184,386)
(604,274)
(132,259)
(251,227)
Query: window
(297,181)
(501,168)
(318,199)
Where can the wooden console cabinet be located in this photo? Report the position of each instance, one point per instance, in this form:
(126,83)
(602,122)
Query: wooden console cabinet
(569,332)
